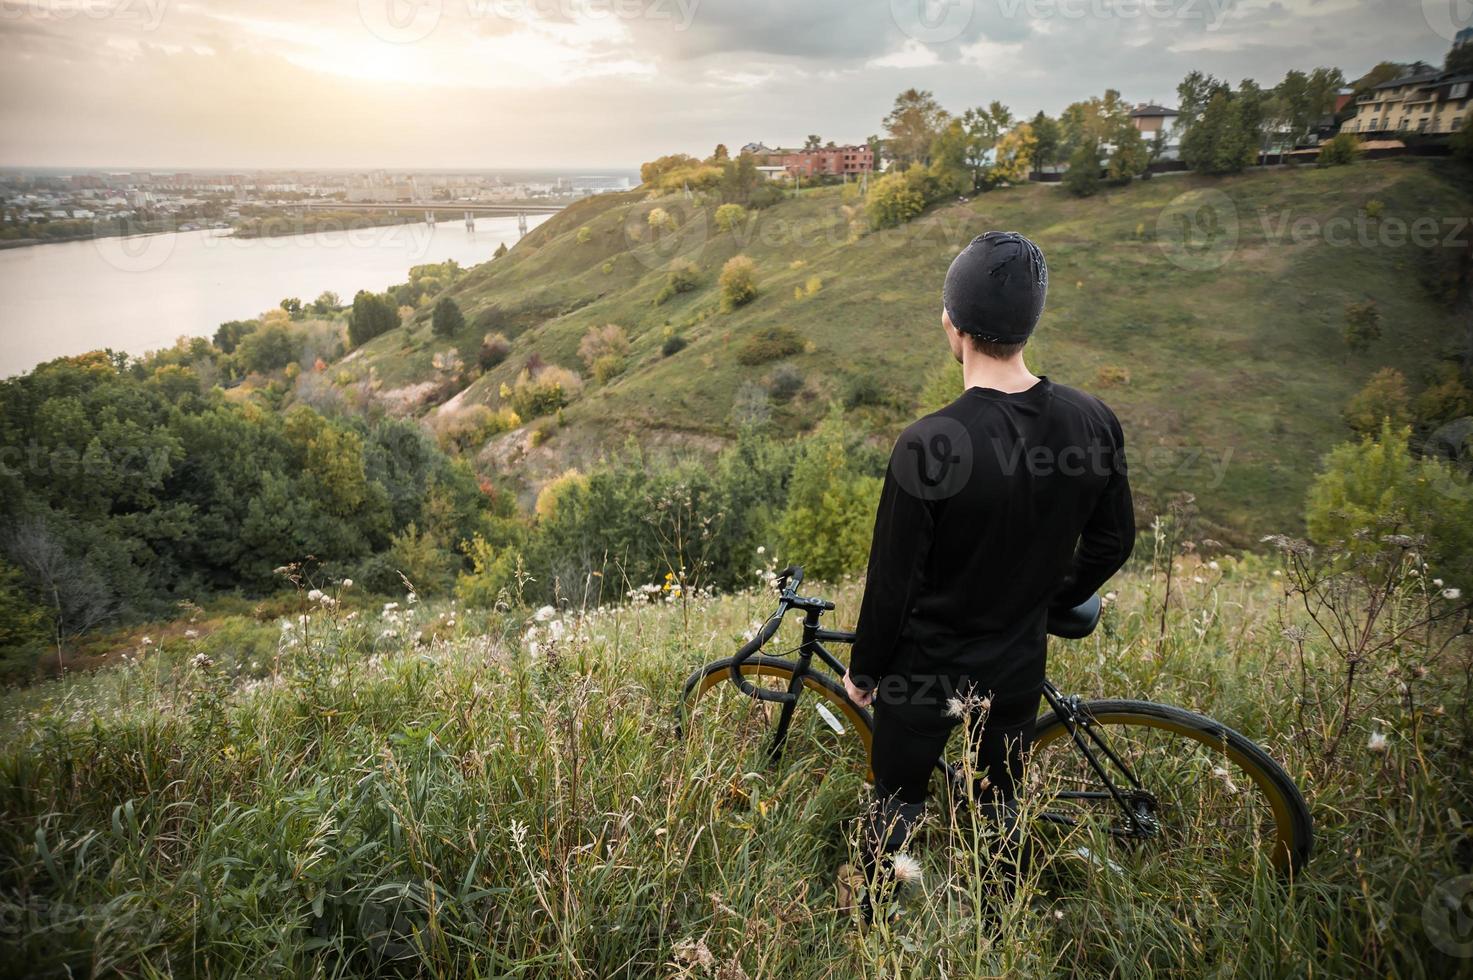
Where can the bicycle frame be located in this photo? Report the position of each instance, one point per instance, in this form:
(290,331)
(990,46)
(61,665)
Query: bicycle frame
(1136,804)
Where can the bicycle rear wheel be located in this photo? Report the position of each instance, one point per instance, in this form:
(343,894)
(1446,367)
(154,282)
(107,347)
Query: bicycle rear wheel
(1208,795)
(824,721)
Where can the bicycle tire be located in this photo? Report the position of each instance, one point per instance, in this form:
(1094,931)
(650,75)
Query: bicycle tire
(712,674)
(1293,823)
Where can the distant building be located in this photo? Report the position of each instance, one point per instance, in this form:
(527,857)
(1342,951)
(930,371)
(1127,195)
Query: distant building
(772,172)
(1462,37)
(1423,102)
(827,161)
(1150,119)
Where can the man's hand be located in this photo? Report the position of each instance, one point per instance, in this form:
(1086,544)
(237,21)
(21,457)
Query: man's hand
(856,693)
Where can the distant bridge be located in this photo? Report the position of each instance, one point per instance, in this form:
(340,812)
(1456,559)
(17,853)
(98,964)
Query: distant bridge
(468,209)
(449,207)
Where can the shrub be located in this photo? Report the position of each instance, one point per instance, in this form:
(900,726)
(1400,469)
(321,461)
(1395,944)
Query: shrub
(269,349)
(769,344)
(684,275)
(831,508)
(1374,208)
(500,251)
(471,426)
(447,320)
(892,201)
(493,576)
(599,343)
(730,216)
(1111,375)
(494,348)
(556,491)
(605,368)
(1444,401)
(1338,152)
(738,282)
(786,382)
(673,344)
(541,391)
(1383,399)
(585,235)
(863,389)
(660,220)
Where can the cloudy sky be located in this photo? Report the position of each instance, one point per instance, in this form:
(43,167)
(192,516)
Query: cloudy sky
(590,83)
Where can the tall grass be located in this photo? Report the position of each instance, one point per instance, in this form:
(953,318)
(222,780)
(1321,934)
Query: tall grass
(441,793)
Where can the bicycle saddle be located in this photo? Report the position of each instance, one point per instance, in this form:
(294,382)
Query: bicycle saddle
(1076,623)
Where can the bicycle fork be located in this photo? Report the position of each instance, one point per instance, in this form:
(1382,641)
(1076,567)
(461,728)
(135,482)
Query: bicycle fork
(785,716)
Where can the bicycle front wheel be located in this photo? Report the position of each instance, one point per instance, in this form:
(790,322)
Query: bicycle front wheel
(823,723)
(1197,791)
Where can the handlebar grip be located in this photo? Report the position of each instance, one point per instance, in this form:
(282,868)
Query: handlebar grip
(791,577)
(763,635)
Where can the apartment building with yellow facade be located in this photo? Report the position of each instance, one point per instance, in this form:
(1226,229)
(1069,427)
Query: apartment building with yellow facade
(1427,102)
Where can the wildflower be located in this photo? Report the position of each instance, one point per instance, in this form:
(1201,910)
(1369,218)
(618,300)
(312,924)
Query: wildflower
(202,661)
(191,634)
(1294,634)
(1198,579)
(1213,565)
(314,596)
(411,598)
(147,641)
(390,606)
(762,549)
(955,708)
(1452,593)
(1419,672)
(1376,743)
(544,614)
(1437,583)
(907,869)
(347,583)
(555,630)
(1111,596)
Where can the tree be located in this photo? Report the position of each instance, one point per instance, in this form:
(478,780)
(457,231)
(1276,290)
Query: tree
(912,124)
(372,314)
(892,201)
(269,349)
(229,335)
(813,142)
(501,250)
(293,307)
(983,128)
(1096,120)
(326,302)
(1362,325)
(1340,151)
(738,282)
(1225,139)
(1048,140)
(1083,177)
(951,169)
(447,320)
(1130,157)
(1383,399)
(720,154)
(830,507)
(1385,71)
(1014,155)
(1301,100)
(1192,96)
(1459,59)
(739,179)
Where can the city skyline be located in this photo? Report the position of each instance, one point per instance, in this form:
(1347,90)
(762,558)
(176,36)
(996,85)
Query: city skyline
(604,84)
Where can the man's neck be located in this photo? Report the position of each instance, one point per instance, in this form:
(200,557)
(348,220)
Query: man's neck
(981,371)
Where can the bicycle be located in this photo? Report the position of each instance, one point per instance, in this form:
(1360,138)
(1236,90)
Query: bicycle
(1111,776)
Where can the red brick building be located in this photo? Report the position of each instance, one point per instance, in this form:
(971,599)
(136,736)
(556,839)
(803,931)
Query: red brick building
(830,161)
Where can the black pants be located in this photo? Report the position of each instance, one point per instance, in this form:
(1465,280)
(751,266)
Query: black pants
(910,738)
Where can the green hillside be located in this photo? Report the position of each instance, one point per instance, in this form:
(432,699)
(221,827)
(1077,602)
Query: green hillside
(1226,362)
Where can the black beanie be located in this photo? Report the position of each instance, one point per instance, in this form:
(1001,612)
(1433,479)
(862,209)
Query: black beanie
(996,287)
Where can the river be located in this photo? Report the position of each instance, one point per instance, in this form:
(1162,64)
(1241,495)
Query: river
(142,293)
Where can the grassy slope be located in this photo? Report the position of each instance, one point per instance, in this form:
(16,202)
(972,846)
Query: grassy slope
(167,820)
(1237,374)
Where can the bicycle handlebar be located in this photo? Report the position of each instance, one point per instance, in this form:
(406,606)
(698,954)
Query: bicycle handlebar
(790,578)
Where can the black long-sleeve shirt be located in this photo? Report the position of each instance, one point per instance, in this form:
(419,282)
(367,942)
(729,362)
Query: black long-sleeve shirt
(993,509)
